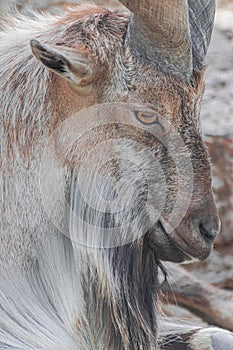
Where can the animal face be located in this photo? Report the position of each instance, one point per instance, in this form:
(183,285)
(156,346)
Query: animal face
(95,56)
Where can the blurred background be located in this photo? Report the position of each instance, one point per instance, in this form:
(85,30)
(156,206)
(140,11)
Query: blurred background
(217,124)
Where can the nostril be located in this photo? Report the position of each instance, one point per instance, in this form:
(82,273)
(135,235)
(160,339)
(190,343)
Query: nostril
(206,234)
(207,231)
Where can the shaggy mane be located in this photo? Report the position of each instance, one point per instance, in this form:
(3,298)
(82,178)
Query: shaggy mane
(69,290)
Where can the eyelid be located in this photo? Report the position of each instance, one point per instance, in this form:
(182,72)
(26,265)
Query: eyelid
(147,118)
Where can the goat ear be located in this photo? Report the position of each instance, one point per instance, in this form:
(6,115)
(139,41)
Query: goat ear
(70,64)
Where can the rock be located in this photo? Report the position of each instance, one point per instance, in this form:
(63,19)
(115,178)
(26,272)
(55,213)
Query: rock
(217,270)
(217,105)
(221,153)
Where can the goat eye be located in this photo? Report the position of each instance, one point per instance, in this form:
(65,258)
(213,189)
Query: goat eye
(147,118)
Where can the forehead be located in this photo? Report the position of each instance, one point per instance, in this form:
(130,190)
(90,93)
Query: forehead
(93,26)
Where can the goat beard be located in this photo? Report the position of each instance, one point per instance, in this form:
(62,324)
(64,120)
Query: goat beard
(137,269)
(121,295)
(119,282)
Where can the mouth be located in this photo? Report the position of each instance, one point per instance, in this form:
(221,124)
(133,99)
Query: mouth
(168,249)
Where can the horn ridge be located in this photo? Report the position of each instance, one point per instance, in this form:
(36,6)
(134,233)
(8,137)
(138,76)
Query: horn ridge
(159,33)
(201,18)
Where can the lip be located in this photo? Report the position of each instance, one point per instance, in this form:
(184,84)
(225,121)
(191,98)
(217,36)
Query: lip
(198,248)
(172,240)
(168,249)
